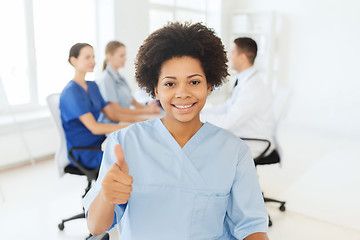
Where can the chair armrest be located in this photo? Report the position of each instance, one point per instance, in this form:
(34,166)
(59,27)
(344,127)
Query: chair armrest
(262,154)
(90,173)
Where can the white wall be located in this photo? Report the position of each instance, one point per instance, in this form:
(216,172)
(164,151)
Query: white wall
(25,141)
(131,28)
(105,28)
(318,56)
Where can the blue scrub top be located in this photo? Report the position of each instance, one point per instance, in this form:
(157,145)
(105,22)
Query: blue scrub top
(74,102)
(114,88)
(206,190)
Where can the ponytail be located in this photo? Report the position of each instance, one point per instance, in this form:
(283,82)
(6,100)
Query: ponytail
(104,65)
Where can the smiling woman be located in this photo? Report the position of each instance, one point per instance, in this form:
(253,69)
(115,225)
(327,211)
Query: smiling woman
(81,104)
(197,179)
(182,90)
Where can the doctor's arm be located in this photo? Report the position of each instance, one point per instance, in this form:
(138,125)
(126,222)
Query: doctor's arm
(257,236)
(246,214)
(116,187)
(137,104)
(150,108)
(119,116)
(136,111)
(97,128)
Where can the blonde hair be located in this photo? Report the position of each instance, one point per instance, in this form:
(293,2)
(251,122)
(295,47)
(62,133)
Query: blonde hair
(111,48)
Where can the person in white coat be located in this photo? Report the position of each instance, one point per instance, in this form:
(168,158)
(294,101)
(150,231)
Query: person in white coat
(248,112)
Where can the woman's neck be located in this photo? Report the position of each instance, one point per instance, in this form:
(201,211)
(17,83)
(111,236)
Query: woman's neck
(79,78)
(115,68)
(182,132)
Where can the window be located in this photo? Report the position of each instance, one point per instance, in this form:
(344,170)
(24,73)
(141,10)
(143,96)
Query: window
(158,18)
(205,11)
(35,42)
(57,26)
(14,68)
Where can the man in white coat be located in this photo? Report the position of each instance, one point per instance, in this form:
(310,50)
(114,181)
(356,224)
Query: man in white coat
(248,113)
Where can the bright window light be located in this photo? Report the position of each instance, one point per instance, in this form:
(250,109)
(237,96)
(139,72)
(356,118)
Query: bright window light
(14,69)
(163,2)
(158,18)
(188,16)
(59,25)
(199,5)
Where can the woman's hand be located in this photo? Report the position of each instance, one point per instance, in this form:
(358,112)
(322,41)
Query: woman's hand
(117,183)
(153,108)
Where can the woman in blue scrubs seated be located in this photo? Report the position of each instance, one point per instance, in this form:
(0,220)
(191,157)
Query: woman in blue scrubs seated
(80,106)
(176,177)
(114,88)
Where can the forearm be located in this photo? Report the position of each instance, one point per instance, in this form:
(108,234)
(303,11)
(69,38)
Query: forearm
(257,236)
(129,111)
(117,108)
(105,128)
(137,105)
(121,117)
(100,215)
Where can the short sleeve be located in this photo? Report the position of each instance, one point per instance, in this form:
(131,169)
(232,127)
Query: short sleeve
(73,104)
(246,213)
(107,88)
(107,161)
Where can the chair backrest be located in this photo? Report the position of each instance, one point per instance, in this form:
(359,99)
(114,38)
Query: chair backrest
(281,104)
(61,155)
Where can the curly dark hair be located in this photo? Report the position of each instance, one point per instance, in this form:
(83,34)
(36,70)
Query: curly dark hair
(178,40)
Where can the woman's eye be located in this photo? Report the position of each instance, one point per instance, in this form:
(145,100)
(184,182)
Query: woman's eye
(195,82)
(169,84)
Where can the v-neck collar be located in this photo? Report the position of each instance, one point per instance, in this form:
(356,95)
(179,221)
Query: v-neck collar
(87,92)
(190,143)
(189,171)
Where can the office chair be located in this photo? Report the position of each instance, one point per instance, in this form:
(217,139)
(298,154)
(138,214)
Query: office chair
(61,155)
(281,101)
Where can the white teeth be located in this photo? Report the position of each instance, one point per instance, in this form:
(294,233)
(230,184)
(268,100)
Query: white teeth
(183,106)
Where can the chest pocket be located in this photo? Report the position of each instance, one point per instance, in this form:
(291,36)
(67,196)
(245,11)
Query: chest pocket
(208,216)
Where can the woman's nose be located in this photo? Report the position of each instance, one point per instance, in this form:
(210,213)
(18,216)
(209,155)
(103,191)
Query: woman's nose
(182,91)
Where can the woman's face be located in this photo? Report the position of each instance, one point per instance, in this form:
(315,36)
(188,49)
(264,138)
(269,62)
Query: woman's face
(118,58)
(85,62)
(182,89)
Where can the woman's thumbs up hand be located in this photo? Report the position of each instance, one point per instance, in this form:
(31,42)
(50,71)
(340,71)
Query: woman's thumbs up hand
(117,183)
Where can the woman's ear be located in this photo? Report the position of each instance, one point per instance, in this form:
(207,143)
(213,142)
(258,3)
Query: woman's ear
(108,56)
(156,93)
(209,87)
(73,61)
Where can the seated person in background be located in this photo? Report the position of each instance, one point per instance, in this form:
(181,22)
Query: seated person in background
(114,88)
(80,106)
(187,179)
(248,113)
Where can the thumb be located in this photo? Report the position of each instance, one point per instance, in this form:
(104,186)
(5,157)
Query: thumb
(120,157)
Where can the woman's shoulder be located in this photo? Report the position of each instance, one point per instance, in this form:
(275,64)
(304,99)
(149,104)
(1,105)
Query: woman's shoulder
(226,138)
(221,132)
(91,84)
(71,94)
(70,88)
(104,77)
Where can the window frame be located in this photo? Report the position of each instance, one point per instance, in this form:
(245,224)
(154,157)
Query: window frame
(174,8)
